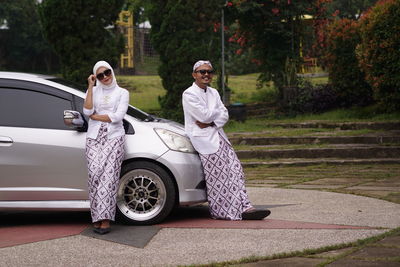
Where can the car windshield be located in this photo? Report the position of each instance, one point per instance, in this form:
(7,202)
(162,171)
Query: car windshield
(132,111)
(74,85)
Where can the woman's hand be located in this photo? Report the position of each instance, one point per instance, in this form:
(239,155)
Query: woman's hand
(203,125)
(91,80)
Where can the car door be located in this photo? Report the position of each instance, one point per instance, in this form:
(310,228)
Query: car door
(40,158)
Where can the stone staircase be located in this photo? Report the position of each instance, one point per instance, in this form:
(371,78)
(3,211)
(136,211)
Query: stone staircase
(379,146)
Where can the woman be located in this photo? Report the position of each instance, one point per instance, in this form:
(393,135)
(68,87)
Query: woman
(205,115)
(106,104)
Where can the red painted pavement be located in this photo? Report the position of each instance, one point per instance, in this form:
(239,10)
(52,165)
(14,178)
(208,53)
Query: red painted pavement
(18,235)
(261,224)
(22,234)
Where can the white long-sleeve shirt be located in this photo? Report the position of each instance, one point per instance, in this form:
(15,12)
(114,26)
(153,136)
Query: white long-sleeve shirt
(204,106)
(112,102)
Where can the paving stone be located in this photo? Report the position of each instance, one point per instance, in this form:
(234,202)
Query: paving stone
(385,183)
(305,186)
(376,252)
(292,262)
(391,240)
(336,181)
(346,262)
(378,194)
(269,181)
(262,185)
(375,188)
(332,253)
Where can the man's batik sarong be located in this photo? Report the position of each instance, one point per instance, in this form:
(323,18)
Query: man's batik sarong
(226,192)
(104,158)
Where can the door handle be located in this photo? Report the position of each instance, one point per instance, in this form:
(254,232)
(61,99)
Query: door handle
(4,140)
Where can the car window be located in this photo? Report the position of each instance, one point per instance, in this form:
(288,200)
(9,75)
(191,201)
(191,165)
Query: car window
(33,109)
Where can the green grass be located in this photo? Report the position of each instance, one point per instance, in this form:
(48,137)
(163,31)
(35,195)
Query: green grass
(144,91)
(348,115)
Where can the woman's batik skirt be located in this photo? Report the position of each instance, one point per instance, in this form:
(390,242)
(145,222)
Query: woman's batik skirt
(104,158)
(226,192)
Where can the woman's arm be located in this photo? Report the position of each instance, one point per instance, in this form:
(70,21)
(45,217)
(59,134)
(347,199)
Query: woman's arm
(88,104)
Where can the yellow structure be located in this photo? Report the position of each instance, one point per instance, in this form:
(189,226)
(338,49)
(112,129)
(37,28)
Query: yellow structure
(125,23)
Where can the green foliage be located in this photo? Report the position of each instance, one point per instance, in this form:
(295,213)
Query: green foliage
(379,52)
(272,29)
(182,33)
(78,32)
(306,98)
(22,46)
(342,64)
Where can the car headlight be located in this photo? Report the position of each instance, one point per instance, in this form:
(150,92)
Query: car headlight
(175,141)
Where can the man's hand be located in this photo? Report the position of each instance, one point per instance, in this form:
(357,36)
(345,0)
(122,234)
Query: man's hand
(203,125)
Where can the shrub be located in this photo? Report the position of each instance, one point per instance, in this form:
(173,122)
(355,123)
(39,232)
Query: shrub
(379,52)
(311,99)
(344,73)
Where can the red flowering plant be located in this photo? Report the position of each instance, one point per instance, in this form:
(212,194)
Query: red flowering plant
(379,52)
(347,79)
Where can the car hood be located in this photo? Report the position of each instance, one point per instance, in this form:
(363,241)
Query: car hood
(169,125)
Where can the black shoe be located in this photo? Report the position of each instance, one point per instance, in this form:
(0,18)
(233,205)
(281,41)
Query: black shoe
(255,214)
(102,231)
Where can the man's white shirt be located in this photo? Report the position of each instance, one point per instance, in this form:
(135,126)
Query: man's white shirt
(204,106)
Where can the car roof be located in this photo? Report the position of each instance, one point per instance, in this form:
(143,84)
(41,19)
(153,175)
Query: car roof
(23,76)
(42,79)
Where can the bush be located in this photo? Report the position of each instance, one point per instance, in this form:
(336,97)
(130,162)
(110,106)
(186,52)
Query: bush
(311,99)
(379,52)
(344,73)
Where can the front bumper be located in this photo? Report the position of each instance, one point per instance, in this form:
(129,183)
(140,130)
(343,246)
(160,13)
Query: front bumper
(188,172)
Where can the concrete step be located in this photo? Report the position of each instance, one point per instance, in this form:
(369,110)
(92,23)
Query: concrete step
(341,126)
(314,140)
(308,162)
(356,152)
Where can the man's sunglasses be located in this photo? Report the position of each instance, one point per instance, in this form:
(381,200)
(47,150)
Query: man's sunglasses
(202,72)
(103,74)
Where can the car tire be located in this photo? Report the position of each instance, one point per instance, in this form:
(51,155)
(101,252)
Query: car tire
(146,193)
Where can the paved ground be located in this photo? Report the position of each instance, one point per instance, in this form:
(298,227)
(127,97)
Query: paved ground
(300,219)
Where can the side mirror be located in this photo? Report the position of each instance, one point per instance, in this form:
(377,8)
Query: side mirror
(75,120)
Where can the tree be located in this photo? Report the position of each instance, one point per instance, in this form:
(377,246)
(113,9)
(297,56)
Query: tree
(379,52)
(182,32)
(343,35)
(23,47)
(82,32)
(273,30)
(350,9)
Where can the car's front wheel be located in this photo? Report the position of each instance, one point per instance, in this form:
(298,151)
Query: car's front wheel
(146,193)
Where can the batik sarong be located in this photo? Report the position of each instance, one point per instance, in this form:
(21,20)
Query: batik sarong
(104,158)
(226,192)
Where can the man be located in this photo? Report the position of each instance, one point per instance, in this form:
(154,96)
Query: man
(205,115)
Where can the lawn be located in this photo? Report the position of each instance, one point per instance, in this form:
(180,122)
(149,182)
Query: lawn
(144,90)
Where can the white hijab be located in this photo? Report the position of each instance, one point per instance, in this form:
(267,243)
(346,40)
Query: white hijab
(113,85)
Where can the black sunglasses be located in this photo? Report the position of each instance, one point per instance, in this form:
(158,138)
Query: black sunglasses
(103,74)
(202,72)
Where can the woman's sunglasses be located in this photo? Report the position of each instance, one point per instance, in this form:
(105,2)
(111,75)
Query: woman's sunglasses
(202,72)
(103,74)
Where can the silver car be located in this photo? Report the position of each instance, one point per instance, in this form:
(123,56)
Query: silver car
(42,154)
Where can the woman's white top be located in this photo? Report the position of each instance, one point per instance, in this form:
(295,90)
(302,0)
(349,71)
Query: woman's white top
(204,106)
(112,102)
